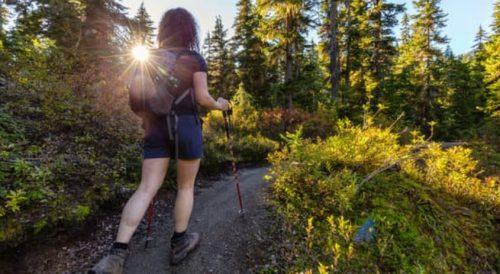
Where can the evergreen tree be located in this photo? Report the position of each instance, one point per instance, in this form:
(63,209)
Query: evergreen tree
(492,66)
(480,39)
(3,20)
(356,40)
(382,20)
(206,49)
(142,28)
(492,75)
(27,17)
(249,53)
(405,29)
(420,56)
(285,24)
(310,78)
(101,26)
(495,26)
(460,116)
(220,61)
(62,21)
(479,53)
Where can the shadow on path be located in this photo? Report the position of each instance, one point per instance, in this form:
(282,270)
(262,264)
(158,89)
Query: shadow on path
(230,243)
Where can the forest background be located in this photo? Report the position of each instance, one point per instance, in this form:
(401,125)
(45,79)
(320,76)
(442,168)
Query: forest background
(70,145)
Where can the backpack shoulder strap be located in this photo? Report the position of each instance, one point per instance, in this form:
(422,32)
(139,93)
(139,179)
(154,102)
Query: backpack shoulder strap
(182,96)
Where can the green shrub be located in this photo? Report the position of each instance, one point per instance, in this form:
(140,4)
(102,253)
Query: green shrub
(62,154)
(250,146)
(431,212)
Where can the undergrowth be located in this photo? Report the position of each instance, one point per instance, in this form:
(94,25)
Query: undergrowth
(66,150)
(359,201)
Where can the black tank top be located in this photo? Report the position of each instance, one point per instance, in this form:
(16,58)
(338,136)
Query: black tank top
(188,63)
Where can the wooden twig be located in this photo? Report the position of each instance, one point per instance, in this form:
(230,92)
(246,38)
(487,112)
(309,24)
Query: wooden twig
(384,168)
(405,130)
(415,151)
(397,120)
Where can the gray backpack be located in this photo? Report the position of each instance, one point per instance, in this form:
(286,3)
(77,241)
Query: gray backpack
(152,85)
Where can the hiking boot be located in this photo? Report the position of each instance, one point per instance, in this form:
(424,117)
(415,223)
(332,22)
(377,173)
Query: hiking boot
(112,263)
(181,249)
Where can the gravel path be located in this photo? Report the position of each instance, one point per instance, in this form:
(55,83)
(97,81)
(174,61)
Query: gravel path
(231,243)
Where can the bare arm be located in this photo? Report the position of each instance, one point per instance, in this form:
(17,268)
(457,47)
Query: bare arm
(203,97)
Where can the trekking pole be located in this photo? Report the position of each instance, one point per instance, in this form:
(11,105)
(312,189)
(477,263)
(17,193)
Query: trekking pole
(227,123)
(149,218)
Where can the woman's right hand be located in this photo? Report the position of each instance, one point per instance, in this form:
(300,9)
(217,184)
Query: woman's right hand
(223,104)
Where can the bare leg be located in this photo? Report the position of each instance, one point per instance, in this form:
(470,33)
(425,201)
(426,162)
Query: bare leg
(153,174)
(186,175)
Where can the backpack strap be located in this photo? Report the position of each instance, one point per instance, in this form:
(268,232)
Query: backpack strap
(182,96)
(195,107)
(173,115)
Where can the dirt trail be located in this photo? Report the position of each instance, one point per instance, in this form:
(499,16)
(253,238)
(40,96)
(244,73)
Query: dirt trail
(230,243)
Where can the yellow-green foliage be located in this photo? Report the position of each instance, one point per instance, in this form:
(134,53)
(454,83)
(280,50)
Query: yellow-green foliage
(62,153)
(246,116)
(431,212)
(249,144)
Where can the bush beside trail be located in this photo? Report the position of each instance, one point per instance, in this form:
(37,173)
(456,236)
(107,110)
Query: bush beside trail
(66,147)
(430,210)
(66,150)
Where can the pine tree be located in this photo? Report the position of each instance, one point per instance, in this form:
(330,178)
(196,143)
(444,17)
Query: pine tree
(495,26)
(382,20)
(425,51)
(492,66)
(405,29)
(310,78)
(285,23)
(142,28)
(62,20)
(460,116)
(220,61)
(480,39)
(355,37)
(206,50)
(479,52)
(249,53)
(492,75)
(27,17)
(3,20)
(101,26)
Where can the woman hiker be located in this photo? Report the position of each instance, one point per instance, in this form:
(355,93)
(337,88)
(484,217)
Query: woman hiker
(178,33)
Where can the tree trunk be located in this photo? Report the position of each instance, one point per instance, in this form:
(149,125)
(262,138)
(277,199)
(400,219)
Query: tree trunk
(377,58)
(289,68)
(347,73)
(334,49)
(426,77)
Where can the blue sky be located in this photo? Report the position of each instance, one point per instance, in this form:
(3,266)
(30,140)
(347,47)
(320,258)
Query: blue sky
(464,16)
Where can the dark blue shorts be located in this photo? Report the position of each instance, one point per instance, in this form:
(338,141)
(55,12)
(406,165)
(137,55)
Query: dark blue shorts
(157,143)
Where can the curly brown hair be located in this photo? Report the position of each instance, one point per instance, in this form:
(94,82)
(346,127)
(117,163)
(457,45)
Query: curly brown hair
(178,28)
